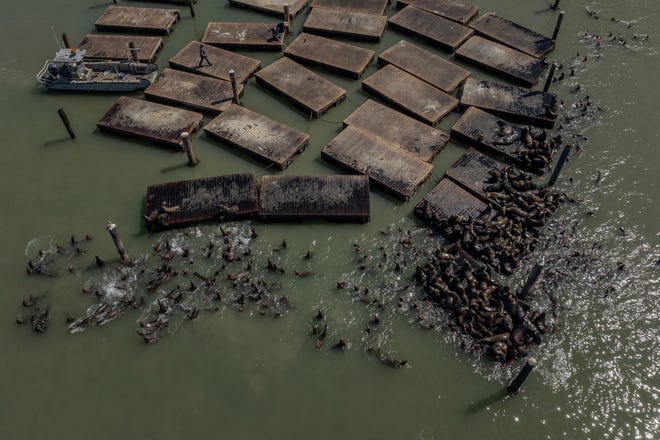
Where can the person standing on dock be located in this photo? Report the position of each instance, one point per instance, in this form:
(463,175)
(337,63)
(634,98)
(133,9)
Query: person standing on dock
(280,28)
(202,56)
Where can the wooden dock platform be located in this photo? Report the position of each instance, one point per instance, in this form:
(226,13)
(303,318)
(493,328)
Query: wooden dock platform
(453,10)
(447,199)
(131,19)
(301,86)
(410,94)
(339,57)
(259,136)
(471,171)
(241,36)
(115,47)
(435,29)
(202,93)
(223,61)
(220,198)
(405,132)
(501,59)
(425,65)
(516,102)
(512,34)
(294,198)
(275,7)
(341,23)
(376,7)
(157,123)
(388,166)
(174,2)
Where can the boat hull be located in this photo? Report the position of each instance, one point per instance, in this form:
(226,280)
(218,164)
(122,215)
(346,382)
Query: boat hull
(91,86)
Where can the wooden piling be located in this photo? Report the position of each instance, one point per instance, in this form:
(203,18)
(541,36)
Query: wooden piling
(560,164)
(531,280)
(66,122)
(65,39)
(556,5)
(287,19)
(234,86)
(558,25)
(516,383)
(134,51)
(192,7)
(551,75)
(112,229)
(187,145)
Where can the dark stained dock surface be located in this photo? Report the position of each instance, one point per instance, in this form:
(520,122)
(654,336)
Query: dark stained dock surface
(437,30)
(154,122)
(220,198)
(425,65)
(247,36)
(516,102)
(512,34)
(259,136)
(300,85)
(174,2)
(376,7)
(115,47)
(130,19)
(504,60)
(275,7)
(339,57)
(222,62)
(336,198)
(471,171)
(353,25)
(453,10)
(409,93)
(447,199)
(395,170)
(405,132)
(208,95)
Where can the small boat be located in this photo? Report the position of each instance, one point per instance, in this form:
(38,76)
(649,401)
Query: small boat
(69,71)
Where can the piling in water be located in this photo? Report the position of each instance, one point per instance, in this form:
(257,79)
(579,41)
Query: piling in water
(558,25)
(133,50)
(66,122)
(531,280)
(187,145)
(65,39)
(560,164)
(192,7)
(516,383)
(556,5)
(234,86)
(551,75)
(112,229)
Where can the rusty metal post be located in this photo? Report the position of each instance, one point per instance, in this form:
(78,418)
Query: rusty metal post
(112,229)
(187,144)
(517,382)
(558,25)
(66,122)
(234,86)
(65,39)
(134,51)
(551,75)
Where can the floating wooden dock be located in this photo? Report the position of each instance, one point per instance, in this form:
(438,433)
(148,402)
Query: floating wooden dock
(453,10)
(261,137)
(202,93)
(275,7)
(223,61)
(501,59)
(115,47)
(425,65)
(335,198)
(301,86)
(237,36)
(157,123)
(516,102)
(405,132)
(174,2)
(221,198)
(388,166)
(339,57)
(472,172)
(412,95)
(353,25)
(376,7)
(512,34)
(435,29)
(130,19)
(448,199)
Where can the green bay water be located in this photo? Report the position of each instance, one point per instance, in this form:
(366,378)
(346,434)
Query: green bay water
(240,375)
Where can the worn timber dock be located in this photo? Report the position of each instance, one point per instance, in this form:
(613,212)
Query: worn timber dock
(395,170)
(410,94)
(335,198)
(157,123)
(131,19)
(275,7)
(472,172)
(259,136)
(504,60)
(223,61)
(512,34)
(376,7)
(352,25)
(453,10)
(237,36)
(301,86)
(202,93)
(115,47)
(405,132)
(448,199)
(220,198)
(425,65)
(516,102)
(174,2)
(339,57)
(435,29)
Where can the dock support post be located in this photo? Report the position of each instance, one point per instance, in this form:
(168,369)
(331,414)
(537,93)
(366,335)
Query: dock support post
(133,50)
(66,122)
(556,5)
(551,75)
(287,19)
(531,280)
(65,39)
(234,86)
(558,25)
(112,229)
(192,7)
(560,164)
(187,144)
(517,382)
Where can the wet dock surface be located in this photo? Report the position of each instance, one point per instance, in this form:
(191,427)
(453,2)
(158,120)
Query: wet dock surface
(376,7)
(352,25)
(435,29)
(345,59)
(512,34)
(115,47)
(449,199)
(237,36)
(472,170)
(453,10)
(335,198)
(275,7)
(131,19)
(222,62)
(261,137)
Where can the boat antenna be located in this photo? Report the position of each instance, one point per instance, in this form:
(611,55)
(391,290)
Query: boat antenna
(55,36)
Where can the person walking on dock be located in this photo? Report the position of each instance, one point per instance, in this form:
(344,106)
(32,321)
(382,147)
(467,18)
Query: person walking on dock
(202,56)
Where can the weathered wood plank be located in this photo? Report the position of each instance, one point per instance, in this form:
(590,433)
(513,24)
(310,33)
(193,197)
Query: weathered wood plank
(115,47)
(275,7)
(512,34)
(222,62)
(353,25)
(448,199)
(435,29)
(472,172)
(246,36)
(147,20)
(451,9)
(376,7)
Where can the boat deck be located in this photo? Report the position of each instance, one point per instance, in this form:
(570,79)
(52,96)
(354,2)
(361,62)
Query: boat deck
(131,19)
(436,30)
(222,60)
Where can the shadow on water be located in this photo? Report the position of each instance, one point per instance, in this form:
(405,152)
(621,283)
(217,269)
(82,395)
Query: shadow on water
(496,397)
(62,140)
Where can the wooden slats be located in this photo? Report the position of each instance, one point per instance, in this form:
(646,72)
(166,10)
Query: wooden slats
(451,9)
(237,36)
(472,172)
(275,7)
(376,7)
(115,47)
(448,199)
(130,19)
(512,34)
(353,25)
(435,29)
(222,62)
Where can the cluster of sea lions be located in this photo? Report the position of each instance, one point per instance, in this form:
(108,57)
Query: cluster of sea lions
(538,148)
(39,318)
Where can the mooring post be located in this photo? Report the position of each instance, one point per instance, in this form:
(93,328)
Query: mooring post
(65,39)
(558,25)
(551,75)
(66,122)
(560,164)
(234,86)
(133,50)
(187,144)
(112,229)
(287,19)
(531,279)
(517,382)
(192,7)
(556,5)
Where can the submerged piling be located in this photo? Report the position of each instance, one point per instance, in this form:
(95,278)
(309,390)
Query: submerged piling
(517,382)
(187,144)
(556,5)
(551,75)
(66,122)
(234,86)
(112,229)
(531,280)
(65,40)
(560,164)
(558,25)
(191,6)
